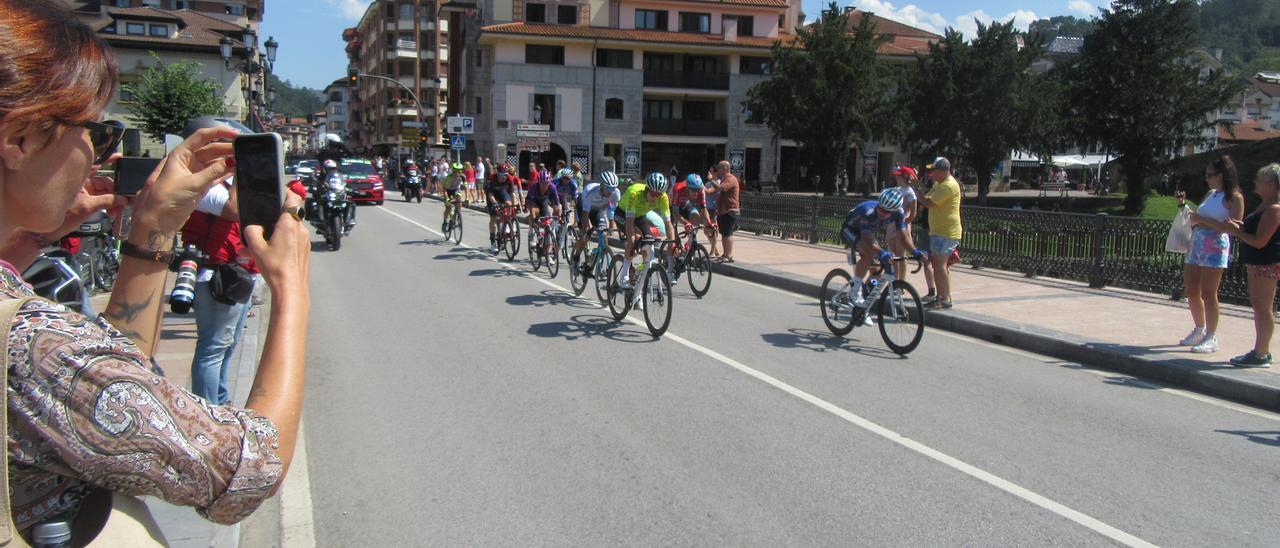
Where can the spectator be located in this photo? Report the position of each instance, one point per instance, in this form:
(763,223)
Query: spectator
(713,240)
(469,179)
(943,201)
(905,179)
(56,78)
(1210,249)
(727,207)
(1261,256)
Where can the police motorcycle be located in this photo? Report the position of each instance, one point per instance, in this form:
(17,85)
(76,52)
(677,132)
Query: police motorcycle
(411,183)
(330,210)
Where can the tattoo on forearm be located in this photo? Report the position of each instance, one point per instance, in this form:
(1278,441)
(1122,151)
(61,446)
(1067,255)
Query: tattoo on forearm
(126,311)
(136,337)
(159,240)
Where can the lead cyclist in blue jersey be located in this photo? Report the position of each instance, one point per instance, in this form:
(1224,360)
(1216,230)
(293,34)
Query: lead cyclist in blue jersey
(859,230)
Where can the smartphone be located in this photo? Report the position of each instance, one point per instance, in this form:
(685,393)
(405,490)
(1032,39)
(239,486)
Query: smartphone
(132,173)
(259,179)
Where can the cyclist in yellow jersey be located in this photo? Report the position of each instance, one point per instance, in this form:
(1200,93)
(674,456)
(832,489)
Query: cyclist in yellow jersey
(648,211)
(453,186)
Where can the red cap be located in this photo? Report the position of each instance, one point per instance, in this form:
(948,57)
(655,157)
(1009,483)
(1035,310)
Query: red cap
(904,170)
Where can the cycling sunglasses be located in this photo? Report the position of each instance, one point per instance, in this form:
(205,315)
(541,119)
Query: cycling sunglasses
(105,136)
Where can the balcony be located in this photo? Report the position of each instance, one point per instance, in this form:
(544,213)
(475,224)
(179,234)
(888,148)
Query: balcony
(686,80)
(444,54)
(402,111)
(404,24)
(690,128)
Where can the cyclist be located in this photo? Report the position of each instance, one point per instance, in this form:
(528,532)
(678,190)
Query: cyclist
(859,230)
(498,192)
(690,201)
(454,184)
(648,211)
(599,205)
(542,199)
(568,188)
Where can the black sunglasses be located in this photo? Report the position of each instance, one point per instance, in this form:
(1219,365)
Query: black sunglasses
(105,137)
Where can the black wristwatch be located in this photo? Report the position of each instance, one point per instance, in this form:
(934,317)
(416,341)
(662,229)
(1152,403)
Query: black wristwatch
(131,250)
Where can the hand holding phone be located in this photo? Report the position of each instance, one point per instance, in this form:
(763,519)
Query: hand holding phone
(132,174)
(259,180)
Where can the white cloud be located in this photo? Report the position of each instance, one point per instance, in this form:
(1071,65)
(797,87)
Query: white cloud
(1082,7)
(350,9)
(936,22)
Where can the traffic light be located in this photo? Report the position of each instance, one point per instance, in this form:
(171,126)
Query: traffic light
(352,74)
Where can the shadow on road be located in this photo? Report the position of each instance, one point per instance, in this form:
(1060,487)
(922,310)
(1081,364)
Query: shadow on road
(497,273)
(320,247)
(821,341)
(587,326)
(550,297)
(1264,438)
(425,242)
(460,254)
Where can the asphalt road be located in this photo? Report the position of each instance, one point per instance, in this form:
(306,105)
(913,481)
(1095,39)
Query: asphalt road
(454,399)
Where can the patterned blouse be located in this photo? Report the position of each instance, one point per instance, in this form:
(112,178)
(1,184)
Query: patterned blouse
(85,411)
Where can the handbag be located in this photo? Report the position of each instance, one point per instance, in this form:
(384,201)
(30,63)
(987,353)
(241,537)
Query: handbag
(106,518)
(1179,239)
(231,284)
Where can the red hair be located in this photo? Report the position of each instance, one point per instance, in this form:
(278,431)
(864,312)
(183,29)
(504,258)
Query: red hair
(53,68)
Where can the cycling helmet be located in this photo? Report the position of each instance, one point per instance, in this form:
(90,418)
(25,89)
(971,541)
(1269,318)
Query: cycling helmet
(609,179)
(566,172)
(456,166)
(656,182)
(54,276)
(502,168)
(891,200)
(694,181)
(330,164)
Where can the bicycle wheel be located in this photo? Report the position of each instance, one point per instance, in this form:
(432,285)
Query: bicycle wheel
(600,273)
(618,299)
(510,239)
(457,225)
(837,311)
(445,226)
(534,249)
(901,317)
(577,280)
(697,266)
(568,241)
(551,254)
(657,301)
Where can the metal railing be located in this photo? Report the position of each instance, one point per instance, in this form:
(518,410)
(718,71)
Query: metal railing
(677,126)
(688,80)
(1102,250)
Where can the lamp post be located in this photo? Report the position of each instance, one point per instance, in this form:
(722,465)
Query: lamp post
(254,66)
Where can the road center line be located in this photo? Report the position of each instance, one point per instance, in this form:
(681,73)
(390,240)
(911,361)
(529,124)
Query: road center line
(952,462)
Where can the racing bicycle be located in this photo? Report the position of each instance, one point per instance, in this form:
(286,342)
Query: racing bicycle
(508,231)
(654,295)
(694,260)
(452,226)
(542,245)
(894,304)
(591,262)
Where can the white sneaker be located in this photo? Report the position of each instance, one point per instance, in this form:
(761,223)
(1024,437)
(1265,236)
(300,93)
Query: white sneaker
(1209,345)
(1196,336)
(493,248)
(866,320)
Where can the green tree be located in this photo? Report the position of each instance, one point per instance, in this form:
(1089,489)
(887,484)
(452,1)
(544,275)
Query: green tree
(1134,91)
(1061,25)
(979,100)
(829,92)
(167,95)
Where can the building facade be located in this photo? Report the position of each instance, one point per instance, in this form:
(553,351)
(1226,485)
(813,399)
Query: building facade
(655,84)
(407,41)
(336,99)
(237,12)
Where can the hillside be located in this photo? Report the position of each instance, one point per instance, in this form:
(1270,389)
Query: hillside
(296,102)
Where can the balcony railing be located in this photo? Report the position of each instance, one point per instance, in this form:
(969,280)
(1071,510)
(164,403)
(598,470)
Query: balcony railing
(691,128)
(687,80)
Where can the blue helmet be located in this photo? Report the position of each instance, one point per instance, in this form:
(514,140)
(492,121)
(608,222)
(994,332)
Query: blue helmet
(694,181)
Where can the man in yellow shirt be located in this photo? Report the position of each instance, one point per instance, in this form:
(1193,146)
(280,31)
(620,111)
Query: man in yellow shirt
(943,202)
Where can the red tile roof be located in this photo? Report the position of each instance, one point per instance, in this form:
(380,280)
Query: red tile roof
(194,28)
(900,45)
(764,3)
(1252,130)
(889,26)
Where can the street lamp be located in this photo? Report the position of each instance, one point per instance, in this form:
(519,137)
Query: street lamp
(254,70)
(271,95)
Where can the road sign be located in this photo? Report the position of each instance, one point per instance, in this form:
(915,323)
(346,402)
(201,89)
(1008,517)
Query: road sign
(533,144)
(631,160)
(465,125)
(533,127)
(468,125)
(737,160)
(458,142)
(543,134)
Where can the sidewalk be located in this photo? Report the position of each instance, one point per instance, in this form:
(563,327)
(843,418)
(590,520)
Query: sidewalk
(1127,331)
(182,526)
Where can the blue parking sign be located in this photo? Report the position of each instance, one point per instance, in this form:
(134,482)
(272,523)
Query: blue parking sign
(458,142)
(468,124)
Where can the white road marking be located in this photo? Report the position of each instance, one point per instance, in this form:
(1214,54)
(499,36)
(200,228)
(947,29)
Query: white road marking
(297,524)
(952,462)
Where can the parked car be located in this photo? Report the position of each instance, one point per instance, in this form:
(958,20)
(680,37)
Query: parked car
(306,169)
(364,184)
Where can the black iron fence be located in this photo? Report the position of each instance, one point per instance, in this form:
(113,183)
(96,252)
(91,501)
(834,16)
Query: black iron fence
(1101,250)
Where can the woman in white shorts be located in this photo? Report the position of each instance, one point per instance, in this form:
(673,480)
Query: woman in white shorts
(1210,250)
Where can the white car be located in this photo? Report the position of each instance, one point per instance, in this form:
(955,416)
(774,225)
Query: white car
(306,169)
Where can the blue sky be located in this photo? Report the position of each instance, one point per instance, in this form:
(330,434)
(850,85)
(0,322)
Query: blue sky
(310,31)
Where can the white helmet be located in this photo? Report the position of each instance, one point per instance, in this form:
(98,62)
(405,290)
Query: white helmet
(331,139)
(330,164)
(891,200)
(657,182)
(609,179)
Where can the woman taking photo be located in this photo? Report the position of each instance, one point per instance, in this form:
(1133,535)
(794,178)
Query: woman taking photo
(1210,249)
(86,416)
(1261,256)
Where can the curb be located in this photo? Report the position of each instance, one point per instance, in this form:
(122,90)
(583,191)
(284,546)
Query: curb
(1221,382)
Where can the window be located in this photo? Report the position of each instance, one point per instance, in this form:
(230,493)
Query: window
(544,110)
(181,4)
(753,65)
(543,55)
(535,13)
(782,22)
(337,110)
(700,64)
(651,19)
(120,3)
(567,15)
(617,58)
(406,12)
(657,110)
(479,106)
(695,22)
(160,30)
(110,28)
(613,108)
(613,150)
(391,12)
(699,110)
(335,96)
(126,96)
(137,29)
(659,63)
(151,4)
(479,58)
(235,9)
(750,117)
(752,170)
(746,25)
